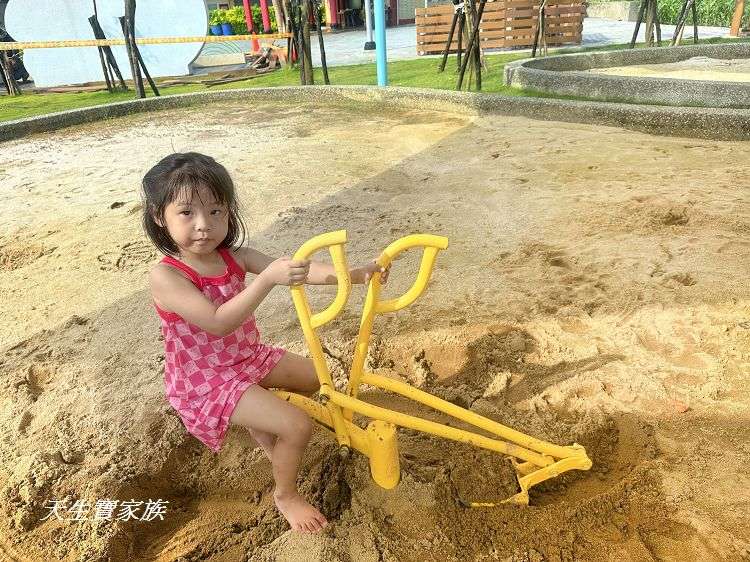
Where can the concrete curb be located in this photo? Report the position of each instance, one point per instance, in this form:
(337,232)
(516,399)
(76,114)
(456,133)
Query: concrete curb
(565,75)
(709,123)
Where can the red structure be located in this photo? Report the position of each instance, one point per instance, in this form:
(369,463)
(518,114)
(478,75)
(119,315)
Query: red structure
(333,11)
(254,46)
(264,15)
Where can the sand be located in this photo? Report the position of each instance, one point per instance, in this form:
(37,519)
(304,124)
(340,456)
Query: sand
(594,291)
(694,68)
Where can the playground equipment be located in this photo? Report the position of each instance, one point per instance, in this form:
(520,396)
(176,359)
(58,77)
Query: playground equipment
(534,460)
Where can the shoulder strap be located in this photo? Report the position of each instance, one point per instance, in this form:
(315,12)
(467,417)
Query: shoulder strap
(231,262)
(191,273)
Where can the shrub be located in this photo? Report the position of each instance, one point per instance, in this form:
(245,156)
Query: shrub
(710,12)
(216,17)
(258,18)
(236,18)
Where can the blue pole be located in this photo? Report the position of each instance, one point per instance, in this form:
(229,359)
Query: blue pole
(380,56)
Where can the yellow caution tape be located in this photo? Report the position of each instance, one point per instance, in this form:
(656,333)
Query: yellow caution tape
(139,40)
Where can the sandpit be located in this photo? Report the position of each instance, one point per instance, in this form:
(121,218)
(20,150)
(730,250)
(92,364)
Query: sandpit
(594,290)
(694,68)
(688,76)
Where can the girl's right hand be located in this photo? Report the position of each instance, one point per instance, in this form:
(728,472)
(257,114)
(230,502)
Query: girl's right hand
(286,271)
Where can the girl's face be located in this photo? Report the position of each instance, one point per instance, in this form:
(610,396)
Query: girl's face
(197,224)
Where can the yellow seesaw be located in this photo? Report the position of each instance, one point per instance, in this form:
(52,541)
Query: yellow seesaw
(535,460)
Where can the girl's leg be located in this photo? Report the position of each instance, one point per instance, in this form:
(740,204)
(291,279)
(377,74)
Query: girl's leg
(265,440)
(260,410)
(293,373)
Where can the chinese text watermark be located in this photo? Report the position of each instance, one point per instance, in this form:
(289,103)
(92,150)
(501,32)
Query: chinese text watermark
(107,510)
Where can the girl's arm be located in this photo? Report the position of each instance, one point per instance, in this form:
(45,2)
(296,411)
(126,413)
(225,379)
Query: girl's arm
(253,260)
(179,295)
(319,273)
(270,272)
(324,274)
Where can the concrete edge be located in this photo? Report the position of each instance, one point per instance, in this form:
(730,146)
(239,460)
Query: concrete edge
(708,123)
(566,75)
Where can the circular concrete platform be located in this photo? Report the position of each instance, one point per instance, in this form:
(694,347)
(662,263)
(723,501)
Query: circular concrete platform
(585,75)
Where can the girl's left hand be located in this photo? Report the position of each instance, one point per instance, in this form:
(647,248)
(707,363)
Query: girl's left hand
(372,268)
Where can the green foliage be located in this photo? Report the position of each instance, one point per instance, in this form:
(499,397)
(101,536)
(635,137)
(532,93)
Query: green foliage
(236,18)
(217,17)
(710,12)
(258,18)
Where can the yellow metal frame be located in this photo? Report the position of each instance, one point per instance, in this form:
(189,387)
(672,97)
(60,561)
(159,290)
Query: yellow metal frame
(535,460)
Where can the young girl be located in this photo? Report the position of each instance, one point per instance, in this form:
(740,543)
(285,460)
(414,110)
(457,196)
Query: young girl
(217,371)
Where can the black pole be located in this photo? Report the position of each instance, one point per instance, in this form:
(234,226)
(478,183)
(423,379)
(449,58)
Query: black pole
(10,82)
(638,22)
(6,82)
(305,16)
(695,24)
(128,23)
(649,30)
(111,61)
(109,68)
(134,69)
(477,49)
(299,48)
(289,43)
(461,24)
(92,19)
(320,42)
(292,29)
(680,21)
(539,25)
(450,39)
(478,66)
(131,33)
(105,71)
(658,25)
(143,66)
(110,83)
(145,71)
(688,5)
(543,27)
(473,39)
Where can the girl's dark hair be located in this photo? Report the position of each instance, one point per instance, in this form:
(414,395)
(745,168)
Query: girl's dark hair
(184,173)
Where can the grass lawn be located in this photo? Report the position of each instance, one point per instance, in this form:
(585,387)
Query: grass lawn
(421,73)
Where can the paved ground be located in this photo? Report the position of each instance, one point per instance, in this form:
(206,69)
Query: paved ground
(347,47)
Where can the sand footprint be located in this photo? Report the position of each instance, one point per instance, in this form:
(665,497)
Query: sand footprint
(19,253)
(24,422)
(37,377)
(679,279)
(734,247)
(131,256)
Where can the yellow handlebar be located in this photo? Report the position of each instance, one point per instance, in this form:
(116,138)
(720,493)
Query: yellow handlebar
(335,242)
(432,244)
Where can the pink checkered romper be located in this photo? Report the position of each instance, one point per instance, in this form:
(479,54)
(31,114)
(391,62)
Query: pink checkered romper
(205,375)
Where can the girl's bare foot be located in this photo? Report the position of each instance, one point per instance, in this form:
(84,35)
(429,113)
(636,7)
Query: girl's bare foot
(301,515)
